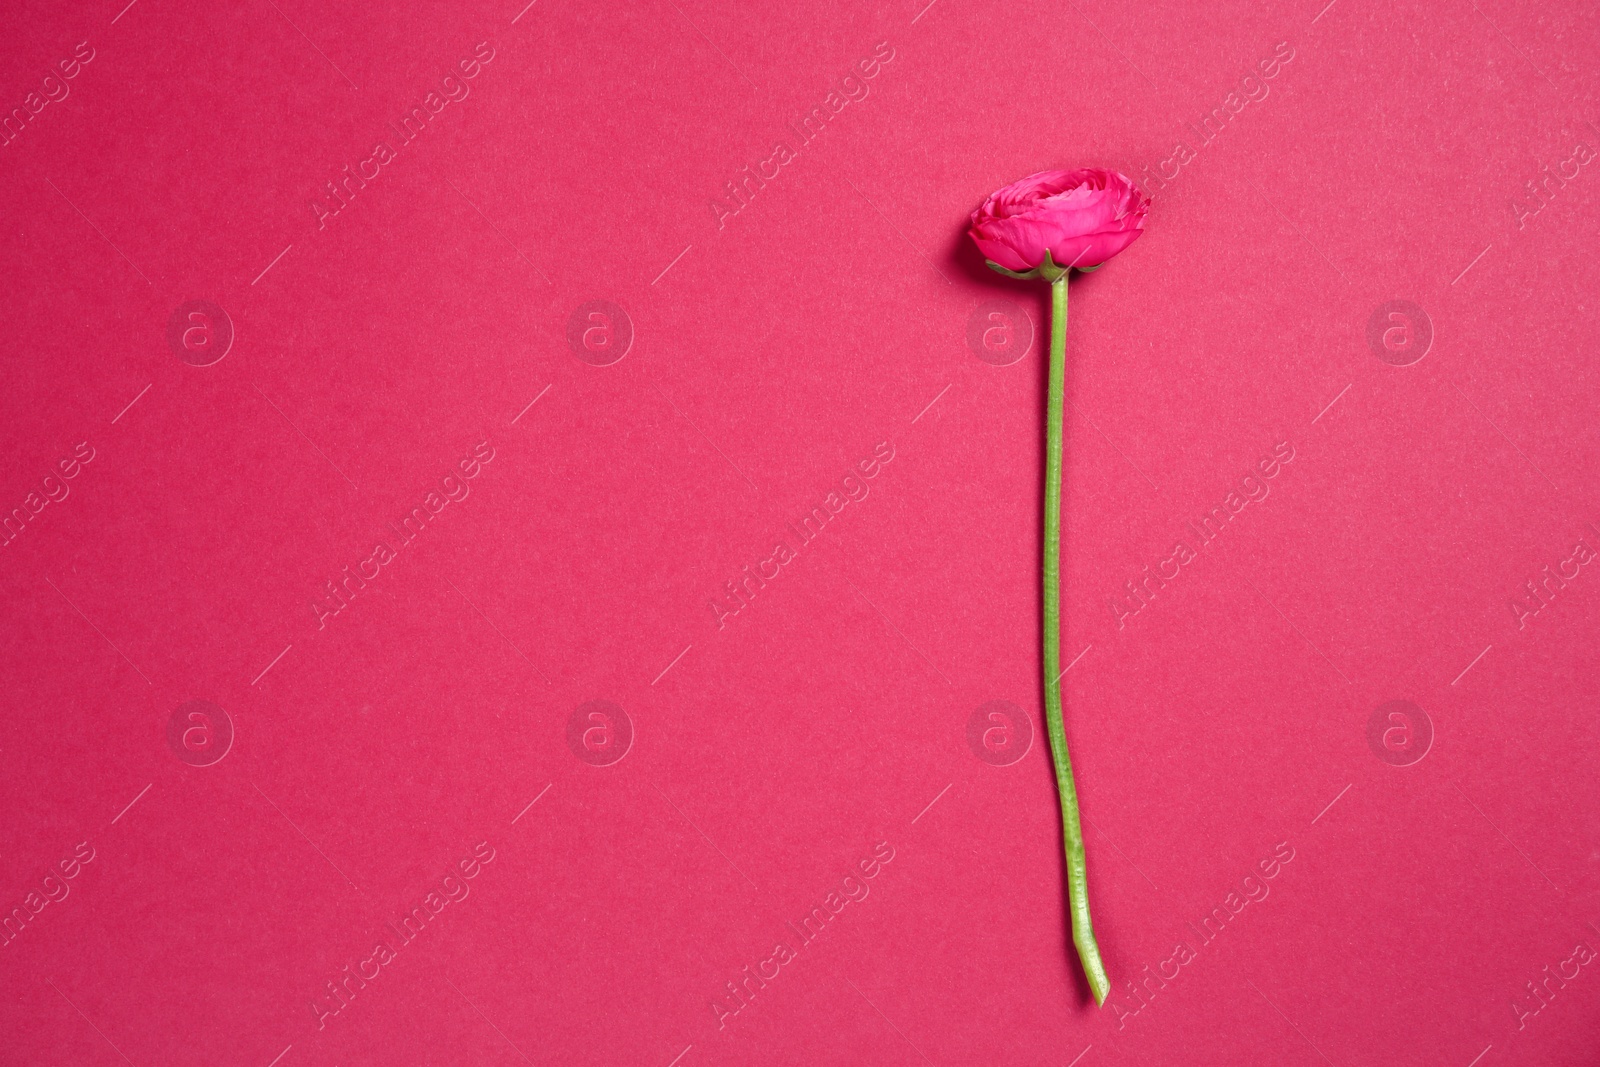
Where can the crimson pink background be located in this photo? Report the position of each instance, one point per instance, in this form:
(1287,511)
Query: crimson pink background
(1224,720)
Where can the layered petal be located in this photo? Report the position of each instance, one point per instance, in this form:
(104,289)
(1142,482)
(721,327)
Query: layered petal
(1081,217)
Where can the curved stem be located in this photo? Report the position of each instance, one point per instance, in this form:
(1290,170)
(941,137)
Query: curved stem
(1071,830)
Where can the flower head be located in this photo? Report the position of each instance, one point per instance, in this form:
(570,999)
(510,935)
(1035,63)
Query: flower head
(1081,218)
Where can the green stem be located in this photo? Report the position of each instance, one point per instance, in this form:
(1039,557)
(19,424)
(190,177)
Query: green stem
(1071,830)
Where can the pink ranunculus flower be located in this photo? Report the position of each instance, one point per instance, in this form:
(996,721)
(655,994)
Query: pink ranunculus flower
(1044,227)
(1081,217)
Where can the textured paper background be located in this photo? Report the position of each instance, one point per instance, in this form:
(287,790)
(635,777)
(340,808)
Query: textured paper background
(1431,862)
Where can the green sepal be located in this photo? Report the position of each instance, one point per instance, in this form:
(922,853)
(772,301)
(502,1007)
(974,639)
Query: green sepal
(1034,273)
(1046,270)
